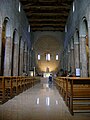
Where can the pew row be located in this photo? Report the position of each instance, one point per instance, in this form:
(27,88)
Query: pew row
(75,92)
(11,86)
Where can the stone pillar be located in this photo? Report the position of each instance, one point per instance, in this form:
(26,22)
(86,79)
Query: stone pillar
(72,57)
(8,53)
(0,45)
(69,59)
(25,59)
(15,63)
(32,59)
(61,61)
(83,57)
(34,71)
(89,62)
(89,43)
(72,60)
(89,39)
(65,60)
(76,54)
(21,58)
(28,61)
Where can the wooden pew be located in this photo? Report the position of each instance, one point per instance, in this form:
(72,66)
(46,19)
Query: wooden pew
(6,88)
(61,85)
(14,85)
(2,89)
(76,93)
(79,94)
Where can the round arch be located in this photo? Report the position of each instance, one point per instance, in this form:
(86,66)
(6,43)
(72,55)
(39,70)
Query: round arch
(84,48)
(83,27)
(19,55)
(5,49)
(15,52)
(76,50)
(76,36)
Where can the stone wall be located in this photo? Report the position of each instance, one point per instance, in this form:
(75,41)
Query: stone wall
(78,31)
(47,42)
(14,29)
(82,8)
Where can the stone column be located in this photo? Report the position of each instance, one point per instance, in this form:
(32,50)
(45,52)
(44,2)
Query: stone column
(25,59)
(89,43)
(63,60)
(83,57)
(72,60)
(8,53)
(32,59)
(28,61)
(15,63)
(76,54)
(66,61)
(89,39)
(69,59)
(0,46)
(21,58)
(72,57)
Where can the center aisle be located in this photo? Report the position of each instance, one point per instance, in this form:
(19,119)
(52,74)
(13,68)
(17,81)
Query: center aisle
(41,102)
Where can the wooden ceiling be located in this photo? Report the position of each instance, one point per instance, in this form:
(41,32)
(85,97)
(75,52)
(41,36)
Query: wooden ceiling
(47,15)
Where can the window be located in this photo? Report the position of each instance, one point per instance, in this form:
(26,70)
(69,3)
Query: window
(28,28)
(56,57)
(65,28)
(19,9)
(48,57)
(38,56)
(73,6)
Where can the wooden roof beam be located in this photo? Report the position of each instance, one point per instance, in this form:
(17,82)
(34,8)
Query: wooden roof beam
(47,17)
(47,25)
(47,29)
(45,7)
(46,14)
(47,20)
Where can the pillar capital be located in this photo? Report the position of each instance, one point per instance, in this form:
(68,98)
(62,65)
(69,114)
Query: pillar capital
(76,43)
(82,36)
(72,48)
(68,51)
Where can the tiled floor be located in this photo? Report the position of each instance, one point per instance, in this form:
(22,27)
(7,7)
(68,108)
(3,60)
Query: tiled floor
(41,102)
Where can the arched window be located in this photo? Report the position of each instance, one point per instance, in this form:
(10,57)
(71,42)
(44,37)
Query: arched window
(19,7)
(73,7)
(57,57)
(48,56)
(39,56)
